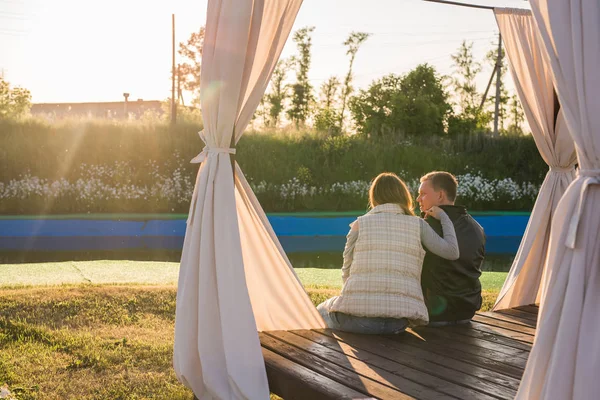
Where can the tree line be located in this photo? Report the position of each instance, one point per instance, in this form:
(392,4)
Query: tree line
(420,102)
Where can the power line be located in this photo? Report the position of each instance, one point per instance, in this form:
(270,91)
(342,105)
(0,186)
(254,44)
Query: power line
(454,3)
(428,33)
(437,41)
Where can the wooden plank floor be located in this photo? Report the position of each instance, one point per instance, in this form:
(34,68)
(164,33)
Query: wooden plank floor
(482,360)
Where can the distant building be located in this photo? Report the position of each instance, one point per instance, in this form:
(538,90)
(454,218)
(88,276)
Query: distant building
(111,110)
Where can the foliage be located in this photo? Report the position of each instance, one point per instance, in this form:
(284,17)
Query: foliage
(373,109)
(326,120)
(329,93)
(466,70)
(327,116)
(414,104)
(94,166)
(14,102)
(471,115)
(189,70)
(185,114)
(302,95)
(426,106)
(278,94)
(352,43)
(518,116)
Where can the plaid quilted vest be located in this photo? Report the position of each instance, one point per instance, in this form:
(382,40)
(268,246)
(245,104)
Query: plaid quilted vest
(385,274)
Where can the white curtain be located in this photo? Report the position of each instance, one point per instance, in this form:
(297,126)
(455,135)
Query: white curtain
(234,277)
(533,81)
(565,360)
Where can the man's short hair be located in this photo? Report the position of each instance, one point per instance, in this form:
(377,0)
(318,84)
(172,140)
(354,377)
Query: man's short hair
(442,180)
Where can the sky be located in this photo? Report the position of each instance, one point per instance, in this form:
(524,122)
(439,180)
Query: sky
(81,50)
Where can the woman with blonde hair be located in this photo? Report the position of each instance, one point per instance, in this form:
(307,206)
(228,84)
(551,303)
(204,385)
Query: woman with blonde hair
(383,259)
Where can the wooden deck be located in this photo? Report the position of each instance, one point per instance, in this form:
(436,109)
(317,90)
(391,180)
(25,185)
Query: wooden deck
(482,360)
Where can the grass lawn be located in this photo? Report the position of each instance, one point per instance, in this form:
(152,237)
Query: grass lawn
(92,339)
(155,273)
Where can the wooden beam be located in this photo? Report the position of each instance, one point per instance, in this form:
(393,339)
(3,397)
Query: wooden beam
(455,3)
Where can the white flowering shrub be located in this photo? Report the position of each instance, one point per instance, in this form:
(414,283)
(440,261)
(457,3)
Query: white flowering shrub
(474,191)
(99,189)
(118,188)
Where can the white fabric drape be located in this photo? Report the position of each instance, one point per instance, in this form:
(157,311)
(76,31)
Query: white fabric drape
(233,271)
(565,359)
(533,81)
(278,299)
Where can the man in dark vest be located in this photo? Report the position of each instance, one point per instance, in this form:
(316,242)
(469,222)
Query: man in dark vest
(452,289)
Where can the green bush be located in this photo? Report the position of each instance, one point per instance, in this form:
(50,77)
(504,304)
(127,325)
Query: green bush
(149,158)
(414,104)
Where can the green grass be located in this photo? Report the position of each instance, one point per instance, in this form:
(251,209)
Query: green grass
(89,343)
(92,339)
(317,278)
(94,272)
(155,273)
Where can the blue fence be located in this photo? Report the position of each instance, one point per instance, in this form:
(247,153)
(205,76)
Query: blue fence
(296,233)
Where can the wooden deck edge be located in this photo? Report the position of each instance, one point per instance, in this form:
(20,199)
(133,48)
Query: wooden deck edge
(292,381)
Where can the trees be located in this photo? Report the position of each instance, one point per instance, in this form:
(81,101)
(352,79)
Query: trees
(14,102)
(425,106)
(466,70)
(329,91)
(276,97)
(517,115)
(413,104)
(301,90)
(326,118)
(353,43)
(374,109)
(190,69)
(471,116)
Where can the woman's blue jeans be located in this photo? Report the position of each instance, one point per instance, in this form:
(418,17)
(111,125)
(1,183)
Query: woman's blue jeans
(364,325)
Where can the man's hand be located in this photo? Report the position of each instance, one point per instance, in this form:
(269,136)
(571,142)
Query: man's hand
(435,212)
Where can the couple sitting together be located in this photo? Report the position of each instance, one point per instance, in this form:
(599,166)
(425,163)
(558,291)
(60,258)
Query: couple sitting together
(402,270)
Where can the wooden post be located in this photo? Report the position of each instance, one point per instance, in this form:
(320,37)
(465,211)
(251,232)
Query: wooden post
(173,105)
(455,3)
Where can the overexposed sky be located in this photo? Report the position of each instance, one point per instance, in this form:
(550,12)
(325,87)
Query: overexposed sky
(82,50)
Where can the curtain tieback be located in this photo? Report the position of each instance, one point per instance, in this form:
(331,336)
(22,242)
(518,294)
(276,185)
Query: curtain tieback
(200,158)
(561,169)
(209,150)
(590,177)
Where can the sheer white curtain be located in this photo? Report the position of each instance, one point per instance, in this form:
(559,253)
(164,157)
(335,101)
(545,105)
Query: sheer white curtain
(533,81)
(565,359)
(232,267)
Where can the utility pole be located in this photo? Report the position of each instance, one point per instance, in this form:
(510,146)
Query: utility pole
(173,105)
(498,68)
(498,84)
(487,89)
